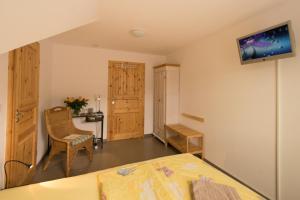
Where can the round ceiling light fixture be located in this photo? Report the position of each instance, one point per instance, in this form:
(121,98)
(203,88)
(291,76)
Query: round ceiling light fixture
(138,33)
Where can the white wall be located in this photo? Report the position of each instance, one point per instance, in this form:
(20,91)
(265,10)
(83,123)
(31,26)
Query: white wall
(238,103)
(24,22)
(44,95)
(289,137)
(83,71)
(3,109)
(289,109)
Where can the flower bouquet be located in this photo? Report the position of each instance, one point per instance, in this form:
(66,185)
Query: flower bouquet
(76,104)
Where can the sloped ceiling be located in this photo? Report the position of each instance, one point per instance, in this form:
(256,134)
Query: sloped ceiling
(168,24)
(27,21)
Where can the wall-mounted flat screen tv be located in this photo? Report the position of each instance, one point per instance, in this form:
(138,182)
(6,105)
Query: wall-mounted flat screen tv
(273,43)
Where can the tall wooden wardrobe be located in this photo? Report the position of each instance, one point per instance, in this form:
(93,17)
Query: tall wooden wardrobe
(166,97)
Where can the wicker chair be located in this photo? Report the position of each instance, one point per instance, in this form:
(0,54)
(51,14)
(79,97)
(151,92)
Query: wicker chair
(65,137)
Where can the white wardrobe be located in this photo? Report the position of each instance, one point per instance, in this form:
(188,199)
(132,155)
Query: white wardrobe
(166,97)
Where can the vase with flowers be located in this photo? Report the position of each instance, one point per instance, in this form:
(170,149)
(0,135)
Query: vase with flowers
(76,104)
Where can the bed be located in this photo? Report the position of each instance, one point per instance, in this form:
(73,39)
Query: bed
(162,178)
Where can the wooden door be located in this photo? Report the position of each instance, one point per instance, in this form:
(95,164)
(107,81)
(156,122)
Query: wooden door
(22,111)
(159,102)
(126,93)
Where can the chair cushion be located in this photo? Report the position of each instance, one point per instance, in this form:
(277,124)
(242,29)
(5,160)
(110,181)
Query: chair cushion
(77,139)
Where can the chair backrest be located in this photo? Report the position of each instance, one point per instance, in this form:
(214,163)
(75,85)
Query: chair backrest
(58,121)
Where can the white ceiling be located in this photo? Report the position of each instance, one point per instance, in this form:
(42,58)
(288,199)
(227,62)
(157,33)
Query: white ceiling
(168,24)
(24,22)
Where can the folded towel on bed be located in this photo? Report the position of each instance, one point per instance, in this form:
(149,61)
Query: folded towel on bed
(206,189)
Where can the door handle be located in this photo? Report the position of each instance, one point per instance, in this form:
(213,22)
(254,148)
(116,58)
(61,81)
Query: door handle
(113,102)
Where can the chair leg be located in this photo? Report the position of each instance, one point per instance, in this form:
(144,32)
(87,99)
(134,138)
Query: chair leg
(89,148)
(52,153)
(70,157)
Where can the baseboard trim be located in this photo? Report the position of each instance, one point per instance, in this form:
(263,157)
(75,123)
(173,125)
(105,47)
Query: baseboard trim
(236,179)
(148,135)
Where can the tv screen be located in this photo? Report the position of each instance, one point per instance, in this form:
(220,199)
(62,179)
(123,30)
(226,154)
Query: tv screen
(273,43)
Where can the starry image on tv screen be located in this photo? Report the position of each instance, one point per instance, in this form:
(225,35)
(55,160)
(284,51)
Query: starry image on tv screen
(273,42)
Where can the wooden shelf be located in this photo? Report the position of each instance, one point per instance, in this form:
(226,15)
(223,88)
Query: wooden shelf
(183,130)
(180,144)
(183,139)
(193,117)
(177,142)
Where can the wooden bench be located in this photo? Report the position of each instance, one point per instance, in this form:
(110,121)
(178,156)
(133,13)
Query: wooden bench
(184,139)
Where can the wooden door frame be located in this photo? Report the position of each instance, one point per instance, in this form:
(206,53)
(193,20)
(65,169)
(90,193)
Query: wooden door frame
(11,108)
(109,97)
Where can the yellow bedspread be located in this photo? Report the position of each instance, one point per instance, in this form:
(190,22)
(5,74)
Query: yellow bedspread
(163,178)
(167,178)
